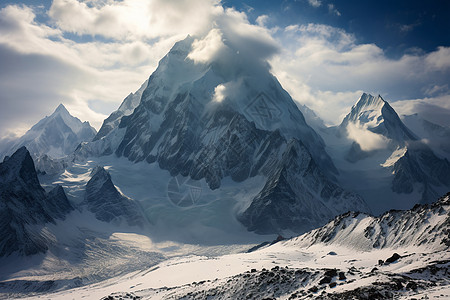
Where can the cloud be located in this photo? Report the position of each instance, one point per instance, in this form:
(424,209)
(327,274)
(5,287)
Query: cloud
(332,10)
(262,20)
(208,48)
(134,19)
(315,3)
(32,86)
(367,140)
(434,109)
(219,93)
(326,69)
(434,89)
(251,41)
(405,28)
(438,60)
(41,68)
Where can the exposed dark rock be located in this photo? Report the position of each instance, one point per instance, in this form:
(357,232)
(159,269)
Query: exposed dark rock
(326,279)
(25,207)
(108,204)
(392,259)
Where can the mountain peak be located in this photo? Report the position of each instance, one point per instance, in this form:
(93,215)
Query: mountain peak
(61,109)
(56,135)
(100,172)
(375,114)
(367,100)
(23,203)
(20,164)
(107,203)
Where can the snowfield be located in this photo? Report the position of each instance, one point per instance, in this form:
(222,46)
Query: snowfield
(282,272)
(341,260)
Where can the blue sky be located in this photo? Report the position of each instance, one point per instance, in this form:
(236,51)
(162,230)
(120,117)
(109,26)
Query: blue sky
(396,26)
(90,54)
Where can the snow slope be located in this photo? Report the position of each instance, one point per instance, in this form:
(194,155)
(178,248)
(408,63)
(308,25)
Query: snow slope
(303,267)
(424,226)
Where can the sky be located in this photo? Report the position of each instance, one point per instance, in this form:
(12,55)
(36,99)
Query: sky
(90,54)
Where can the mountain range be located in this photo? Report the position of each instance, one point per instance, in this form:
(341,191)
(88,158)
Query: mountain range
(202,122)
(216,154)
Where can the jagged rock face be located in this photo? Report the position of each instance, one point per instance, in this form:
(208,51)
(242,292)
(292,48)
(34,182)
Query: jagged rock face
(24,206)
(126,108)
(107,203)
(55,136)
(216,120)
(425,226)
(297,196)
(419,164)
(47,165)
(179,103)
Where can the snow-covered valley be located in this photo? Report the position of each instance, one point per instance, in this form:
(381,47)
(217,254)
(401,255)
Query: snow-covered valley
(284,270)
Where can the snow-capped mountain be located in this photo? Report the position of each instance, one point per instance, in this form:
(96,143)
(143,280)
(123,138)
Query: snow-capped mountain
(25,207)
(56,135)
(426,226)
(107,203)
(376,115)
(214,121)
(125,109)
(385,161)
(285,201)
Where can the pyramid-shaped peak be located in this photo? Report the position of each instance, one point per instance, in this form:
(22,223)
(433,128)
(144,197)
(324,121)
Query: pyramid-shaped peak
(61,109)
(376,115)
(369,100)
(19,165)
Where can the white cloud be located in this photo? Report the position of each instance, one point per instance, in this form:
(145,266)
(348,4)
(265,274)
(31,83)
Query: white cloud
(252,41)
(134,19)
(208,48)
(326,69)
(262,20)
(332,10)
(41,68)
(219,93)
(367,140)
(434,109)
(434,89)
(439,60)
(315,3)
